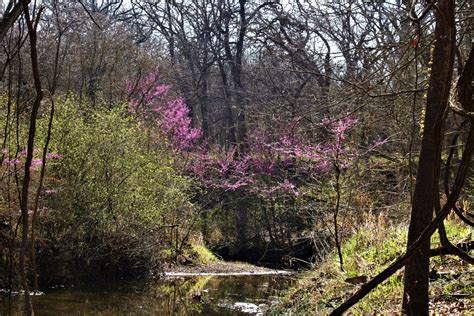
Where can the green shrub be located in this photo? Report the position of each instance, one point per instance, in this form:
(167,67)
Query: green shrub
(116,188)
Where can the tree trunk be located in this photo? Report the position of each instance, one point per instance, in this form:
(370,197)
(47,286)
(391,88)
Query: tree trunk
(415,296)
(231,139)
(203,100)
(29,156)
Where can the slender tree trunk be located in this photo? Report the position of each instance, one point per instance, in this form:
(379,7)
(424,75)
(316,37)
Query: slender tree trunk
(29,157)
(203,100)
(34,218)
(231,139)
(415,296)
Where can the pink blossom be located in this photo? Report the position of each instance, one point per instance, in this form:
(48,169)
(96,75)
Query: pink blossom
(12,162)
(35,163)
(172,114)
(53,156)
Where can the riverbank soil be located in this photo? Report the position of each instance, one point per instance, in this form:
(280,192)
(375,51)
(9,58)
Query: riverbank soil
(221,267)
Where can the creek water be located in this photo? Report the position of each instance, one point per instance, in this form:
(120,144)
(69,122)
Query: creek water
(198,295)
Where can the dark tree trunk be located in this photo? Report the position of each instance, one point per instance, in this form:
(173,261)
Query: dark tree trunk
(231,139)
(10,16)
(415,297)
(235,59)
(29,156)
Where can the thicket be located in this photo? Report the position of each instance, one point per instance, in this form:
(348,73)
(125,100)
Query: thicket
(112,199)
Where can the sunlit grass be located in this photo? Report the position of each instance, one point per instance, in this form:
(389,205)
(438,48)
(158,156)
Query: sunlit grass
(204,255)
(371,248)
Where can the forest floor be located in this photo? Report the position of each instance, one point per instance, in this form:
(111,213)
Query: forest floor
(452,288)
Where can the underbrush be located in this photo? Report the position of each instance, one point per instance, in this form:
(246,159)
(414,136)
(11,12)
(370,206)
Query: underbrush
(371,248)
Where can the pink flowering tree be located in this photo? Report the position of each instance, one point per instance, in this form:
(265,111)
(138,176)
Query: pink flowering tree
(276,163)
(155,103)
(282,165)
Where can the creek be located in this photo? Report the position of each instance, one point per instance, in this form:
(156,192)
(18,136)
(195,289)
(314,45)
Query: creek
(172,295)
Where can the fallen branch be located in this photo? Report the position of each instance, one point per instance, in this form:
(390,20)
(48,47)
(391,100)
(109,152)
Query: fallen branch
(442,251)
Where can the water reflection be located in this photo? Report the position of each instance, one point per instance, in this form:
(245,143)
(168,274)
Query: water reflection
(205,295)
